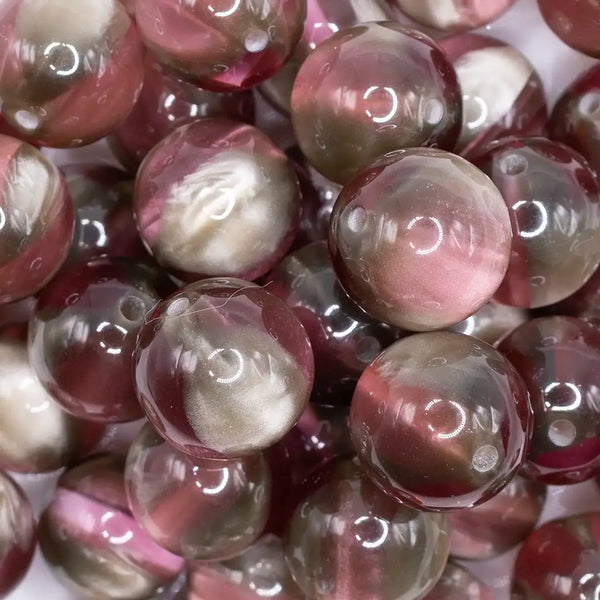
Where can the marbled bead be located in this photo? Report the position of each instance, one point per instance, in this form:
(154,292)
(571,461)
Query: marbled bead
(369,90)
(93,544)
(71,71)
(420,239)
(221,45)
(457,583)
(17,535)
(204,195)
(512,102)
(441,421)
(552,196)
(559,360)
(36,222)
(223,368)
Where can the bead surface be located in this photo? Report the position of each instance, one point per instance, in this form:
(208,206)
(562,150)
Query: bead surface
(369,90)
(420,239)
(441,421)
(457,583)
(203,196)
(223,368)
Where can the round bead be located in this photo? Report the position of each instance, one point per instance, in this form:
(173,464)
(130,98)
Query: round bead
(343,538)
(441,421)
(17,535)
(223,368)
(204,194)
(199,509)
(552,195)
(559,360)
(584,303)
(222,45)
(369,90)
(93,544)
(457,583)
(83,333)
(81,73)
(421,239)
(36,220)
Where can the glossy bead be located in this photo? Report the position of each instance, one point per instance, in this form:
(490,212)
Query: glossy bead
(37,223)
(221,45)
(420,239)
(104,223)
(165,104)
(559,360)
(223,368)
(93,544)
(199,509)
(369,90)
(17,535)
(453,15)
(83,333)
(457,583)
(575,120)
(560,561)
(584,303)
(14,319)
(343,338)
(344,537)
(552,196)
(441,421)
(71,71)
(509,103)
(202,197)
(499,524)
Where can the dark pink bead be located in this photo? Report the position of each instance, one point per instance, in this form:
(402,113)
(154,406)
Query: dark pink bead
(457,583)
(441,421)
(222,45)
(584,303)
(14,319)
(559,360)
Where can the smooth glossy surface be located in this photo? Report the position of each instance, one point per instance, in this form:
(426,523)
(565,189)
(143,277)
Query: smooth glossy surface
(499,524)
(17,535)
(93,544)
(199,509)
(37,220)
(204,195)
(552,196)
(344,537)
(70,71)
(223,368)
(584,303)
(559,360)
(420,239)
(441,421)
(222,45)
(512,102)
(369,90)
(14,319)
(343,338)
(83,332)
(457,583)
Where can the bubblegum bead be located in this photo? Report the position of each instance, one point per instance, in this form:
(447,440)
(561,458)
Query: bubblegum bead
(71,71)
(441,421)
(421,239)
(369,90)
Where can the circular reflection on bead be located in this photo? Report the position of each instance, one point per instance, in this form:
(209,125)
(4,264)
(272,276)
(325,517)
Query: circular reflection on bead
(560,555)
(199,509)
(72,71)
(369,90)
(223,368)
(222,45)
(509,103)
(36,220)
(17,534)
(203,196)
(457,583)
(348,529)
(93,544)
(343,338)
(499,524)
(559,360)
(83,332)
(552,195)
(421,239)
(441,421)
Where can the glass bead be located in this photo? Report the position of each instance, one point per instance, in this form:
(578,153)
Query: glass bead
(457,583)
